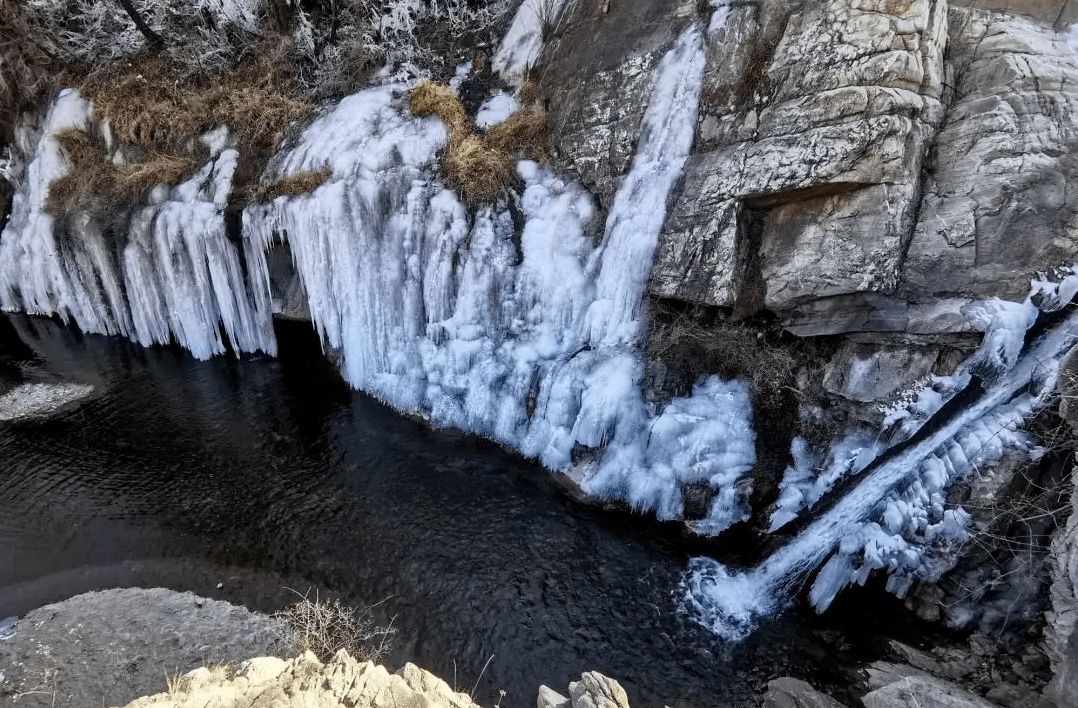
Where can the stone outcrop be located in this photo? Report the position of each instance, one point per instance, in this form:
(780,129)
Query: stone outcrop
(807,187)
(598,88)
(864,167)
(789,692)
(924,692)
(109,647)
(593,690)
(307,682)
(1000,163)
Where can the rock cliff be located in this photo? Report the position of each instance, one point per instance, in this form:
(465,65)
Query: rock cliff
(872,187)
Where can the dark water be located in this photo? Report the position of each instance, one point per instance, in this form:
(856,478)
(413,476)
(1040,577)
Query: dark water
(268,473)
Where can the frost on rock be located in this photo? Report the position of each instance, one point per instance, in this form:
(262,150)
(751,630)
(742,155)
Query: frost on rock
(523,42)
(896,517)
(176,278)
(445,315)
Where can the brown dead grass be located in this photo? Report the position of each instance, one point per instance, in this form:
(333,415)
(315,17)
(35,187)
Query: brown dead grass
(96,186)
(481,165)
(526,132)
(299,183)
(480,171)
(431,98)
(155,110)
(149,102)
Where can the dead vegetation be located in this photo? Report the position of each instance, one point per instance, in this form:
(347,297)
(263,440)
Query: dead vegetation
(255,67)
(96,186)
(481,165)
(302,182)
(698,341)
(324,627)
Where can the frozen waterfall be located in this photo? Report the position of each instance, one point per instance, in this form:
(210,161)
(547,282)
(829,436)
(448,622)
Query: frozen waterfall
(897,512)
(531,342)
(178,276)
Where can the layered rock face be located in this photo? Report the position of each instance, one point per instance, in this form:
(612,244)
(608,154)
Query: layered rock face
(853,179)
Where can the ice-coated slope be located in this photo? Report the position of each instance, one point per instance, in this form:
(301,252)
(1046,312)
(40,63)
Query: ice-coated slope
(895,518)
(532,342)
(176,278)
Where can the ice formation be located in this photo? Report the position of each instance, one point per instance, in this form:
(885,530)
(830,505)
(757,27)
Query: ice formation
(895,517)
(523,41)
(496,109)
(178,278)
(533,344)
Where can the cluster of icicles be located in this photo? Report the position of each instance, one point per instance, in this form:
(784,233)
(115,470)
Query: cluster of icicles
(527,336)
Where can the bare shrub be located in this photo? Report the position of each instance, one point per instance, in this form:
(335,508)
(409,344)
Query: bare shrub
(699,343)
(324,627)
(292,185)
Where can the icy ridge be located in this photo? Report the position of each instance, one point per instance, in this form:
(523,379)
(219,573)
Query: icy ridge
(1004,325)
(896,517)
(178,278)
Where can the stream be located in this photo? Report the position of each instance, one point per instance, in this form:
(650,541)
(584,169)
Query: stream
(272,477)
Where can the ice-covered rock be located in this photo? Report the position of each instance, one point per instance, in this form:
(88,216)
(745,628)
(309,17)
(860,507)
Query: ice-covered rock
(897,511)
(532,343)
(175,275)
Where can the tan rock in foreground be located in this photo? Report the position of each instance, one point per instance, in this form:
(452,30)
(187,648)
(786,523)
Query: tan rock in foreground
(274,683)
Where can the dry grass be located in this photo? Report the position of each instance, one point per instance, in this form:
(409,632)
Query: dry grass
(481,165)
(324,627)
(293,185)
(699,344)
(475,168)
(525,132)
(96,186)
(149,103)
(156,110)
(431,98)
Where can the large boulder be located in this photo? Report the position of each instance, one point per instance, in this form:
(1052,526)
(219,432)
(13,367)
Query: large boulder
(924,692)
(789,692)
(109,647)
